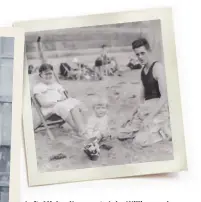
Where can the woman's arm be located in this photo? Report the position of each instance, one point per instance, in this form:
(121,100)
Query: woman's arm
(64,95)
(38,91)
(63,92)
(44,102)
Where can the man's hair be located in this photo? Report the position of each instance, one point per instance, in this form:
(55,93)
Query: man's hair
(45,67)
(141,42)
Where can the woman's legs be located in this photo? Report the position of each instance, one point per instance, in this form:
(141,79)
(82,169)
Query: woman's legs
(72,116)
(69,120)
(78,119)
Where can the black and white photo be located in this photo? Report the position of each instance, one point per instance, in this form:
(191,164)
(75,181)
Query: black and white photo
(99,98)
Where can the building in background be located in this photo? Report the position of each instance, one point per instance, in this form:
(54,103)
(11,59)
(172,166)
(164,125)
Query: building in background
(6,82)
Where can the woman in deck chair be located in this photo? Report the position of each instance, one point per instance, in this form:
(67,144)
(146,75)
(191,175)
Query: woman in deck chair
(52,99)
(151,115)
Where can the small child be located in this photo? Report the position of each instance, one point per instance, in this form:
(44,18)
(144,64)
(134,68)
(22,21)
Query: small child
(97,125)
(52,99)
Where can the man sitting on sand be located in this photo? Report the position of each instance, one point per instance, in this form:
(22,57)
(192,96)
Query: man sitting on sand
(151,115)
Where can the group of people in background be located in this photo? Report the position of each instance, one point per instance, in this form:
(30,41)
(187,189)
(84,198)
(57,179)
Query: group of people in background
(104,65)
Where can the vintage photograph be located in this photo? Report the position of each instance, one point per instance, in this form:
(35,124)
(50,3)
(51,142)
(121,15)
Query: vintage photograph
(101,100)
(100,92)
(6,82)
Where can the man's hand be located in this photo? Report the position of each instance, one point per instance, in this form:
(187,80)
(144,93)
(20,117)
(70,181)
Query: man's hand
(62,98)
(129,121)
(147,121)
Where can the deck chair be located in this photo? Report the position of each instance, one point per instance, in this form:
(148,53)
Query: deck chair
(49,121)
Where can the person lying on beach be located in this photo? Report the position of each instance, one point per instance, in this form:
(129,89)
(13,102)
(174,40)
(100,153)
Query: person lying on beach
(52,99)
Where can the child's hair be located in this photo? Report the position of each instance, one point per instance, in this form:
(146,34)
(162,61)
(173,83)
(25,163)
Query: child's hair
(45,67)
(99,100)
(141,42)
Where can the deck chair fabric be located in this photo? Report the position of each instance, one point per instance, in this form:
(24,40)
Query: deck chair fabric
(46,121)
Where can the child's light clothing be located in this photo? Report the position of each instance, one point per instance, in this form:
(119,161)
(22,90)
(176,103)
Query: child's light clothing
(97,126)
(54,93)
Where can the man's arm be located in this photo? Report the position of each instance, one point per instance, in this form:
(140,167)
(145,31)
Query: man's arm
(159,75)
(64,94)
(140,98)
(141,93)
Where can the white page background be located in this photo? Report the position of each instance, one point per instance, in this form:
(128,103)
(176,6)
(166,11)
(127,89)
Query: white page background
(182,187)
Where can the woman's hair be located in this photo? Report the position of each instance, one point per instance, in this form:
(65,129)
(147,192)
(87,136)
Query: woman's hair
(45,67)
(141,42)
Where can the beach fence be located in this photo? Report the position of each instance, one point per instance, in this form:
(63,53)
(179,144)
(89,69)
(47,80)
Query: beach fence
(85,43)
(6,81)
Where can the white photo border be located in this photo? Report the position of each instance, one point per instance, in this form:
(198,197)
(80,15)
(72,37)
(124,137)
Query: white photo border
(179,163)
